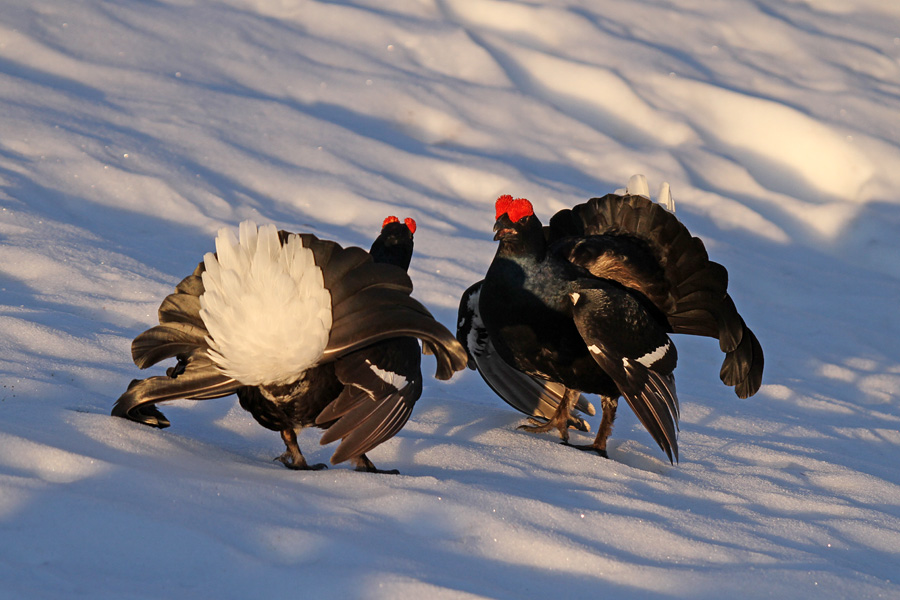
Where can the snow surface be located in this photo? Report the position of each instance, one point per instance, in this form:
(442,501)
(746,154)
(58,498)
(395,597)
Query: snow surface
(130,131)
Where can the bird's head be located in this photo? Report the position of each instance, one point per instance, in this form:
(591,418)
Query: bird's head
(395,243)
(515,218)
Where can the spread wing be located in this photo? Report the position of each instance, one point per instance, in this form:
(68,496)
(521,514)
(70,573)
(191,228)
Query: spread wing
(370,302)
(180,334)
(635,351)
(381,385)
(534,397)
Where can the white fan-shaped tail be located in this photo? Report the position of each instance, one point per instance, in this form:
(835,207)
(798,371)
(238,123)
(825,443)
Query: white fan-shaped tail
(265,306)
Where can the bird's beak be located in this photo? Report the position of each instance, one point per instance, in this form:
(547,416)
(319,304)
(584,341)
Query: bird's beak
(500,230)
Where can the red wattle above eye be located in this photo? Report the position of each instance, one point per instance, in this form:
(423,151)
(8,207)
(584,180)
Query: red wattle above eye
(519,209)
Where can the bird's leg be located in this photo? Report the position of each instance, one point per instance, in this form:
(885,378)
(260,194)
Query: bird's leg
(609,406)
(365,465)
(560,418)
(292,457)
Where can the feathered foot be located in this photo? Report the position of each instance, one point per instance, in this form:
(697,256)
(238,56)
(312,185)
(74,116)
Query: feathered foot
(610,405)
(559,420)
(576,423)
(292,457)
(365,465)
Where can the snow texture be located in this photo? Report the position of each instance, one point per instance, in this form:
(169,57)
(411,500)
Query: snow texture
(132,131)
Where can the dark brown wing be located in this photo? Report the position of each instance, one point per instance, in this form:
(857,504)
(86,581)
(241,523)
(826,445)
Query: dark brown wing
(625,341)
(381,386)
(371,302)
(639,244)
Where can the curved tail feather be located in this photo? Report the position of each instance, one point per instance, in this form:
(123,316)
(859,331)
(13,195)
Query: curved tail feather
(180,331)
(690,289)
(197,379)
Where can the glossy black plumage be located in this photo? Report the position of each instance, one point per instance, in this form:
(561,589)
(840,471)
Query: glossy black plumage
(588,302)
(362,389)
(535,397)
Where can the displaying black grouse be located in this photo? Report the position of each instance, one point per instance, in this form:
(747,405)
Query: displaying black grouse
(304,331)
(588,303)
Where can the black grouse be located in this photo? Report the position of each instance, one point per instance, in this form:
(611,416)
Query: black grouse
(587,305)
(304,331)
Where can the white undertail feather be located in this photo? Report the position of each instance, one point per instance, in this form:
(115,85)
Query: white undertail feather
(665,198)
(265,306)
(637,186)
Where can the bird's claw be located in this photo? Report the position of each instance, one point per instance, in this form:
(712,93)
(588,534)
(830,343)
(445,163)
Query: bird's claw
(536,426)
(380,471)
(364,465)
(587,448)
(290,461)
(579,424)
